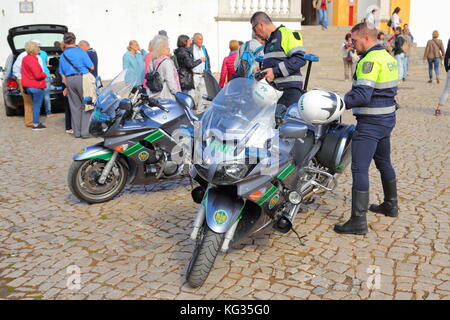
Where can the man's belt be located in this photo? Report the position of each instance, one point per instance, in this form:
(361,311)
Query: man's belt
(74,74)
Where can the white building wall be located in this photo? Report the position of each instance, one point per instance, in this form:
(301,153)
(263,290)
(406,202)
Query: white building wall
(427,16)
(108,25)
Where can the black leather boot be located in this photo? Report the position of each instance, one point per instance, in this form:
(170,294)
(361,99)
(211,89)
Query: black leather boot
(390,205)
(358,222)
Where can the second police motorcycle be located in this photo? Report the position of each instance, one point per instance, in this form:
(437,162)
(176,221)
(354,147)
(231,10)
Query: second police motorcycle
(142,141)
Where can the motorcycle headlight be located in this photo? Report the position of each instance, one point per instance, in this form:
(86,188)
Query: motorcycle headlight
(236,170)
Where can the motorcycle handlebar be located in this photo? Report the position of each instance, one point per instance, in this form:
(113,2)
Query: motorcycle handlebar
(260,75)
(155,103)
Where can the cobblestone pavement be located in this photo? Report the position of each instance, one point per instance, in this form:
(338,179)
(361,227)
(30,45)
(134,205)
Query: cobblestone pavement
(137,246)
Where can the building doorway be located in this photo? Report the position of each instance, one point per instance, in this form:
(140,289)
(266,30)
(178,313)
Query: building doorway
(309,13)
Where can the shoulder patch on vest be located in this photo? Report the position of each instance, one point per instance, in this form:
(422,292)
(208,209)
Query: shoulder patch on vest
(367,67)
(297,35)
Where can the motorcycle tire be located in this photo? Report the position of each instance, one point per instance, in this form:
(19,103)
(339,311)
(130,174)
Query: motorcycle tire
(207,248)
(83,187)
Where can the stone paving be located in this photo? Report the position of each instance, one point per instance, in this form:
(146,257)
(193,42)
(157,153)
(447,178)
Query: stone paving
(137,246)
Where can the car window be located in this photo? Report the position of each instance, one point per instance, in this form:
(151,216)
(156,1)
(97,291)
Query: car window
(46,39)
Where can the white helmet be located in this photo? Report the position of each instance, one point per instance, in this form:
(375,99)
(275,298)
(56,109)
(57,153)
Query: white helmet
(320,107)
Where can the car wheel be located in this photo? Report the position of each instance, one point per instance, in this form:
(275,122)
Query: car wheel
(9,111)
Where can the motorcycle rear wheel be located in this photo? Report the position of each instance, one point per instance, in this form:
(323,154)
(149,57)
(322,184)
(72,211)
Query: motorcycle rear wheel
(83,180)
(207,248)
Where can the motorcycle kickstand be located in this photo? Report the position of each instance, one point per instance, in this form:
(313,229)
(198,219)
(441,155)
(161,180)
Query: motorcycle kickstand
(299,237)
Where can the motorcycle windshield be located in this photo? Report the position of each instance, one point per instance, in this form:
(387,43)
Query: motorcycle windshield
(237,131)
(108,101)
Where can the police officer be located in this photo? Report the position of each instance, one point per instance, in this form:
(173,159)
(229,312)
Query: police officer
(283,57)
(372,100)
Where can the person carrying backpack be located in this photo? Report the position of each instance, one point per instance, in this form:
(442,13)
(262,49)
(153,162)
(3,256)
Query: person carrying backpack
(162,79)
(245,64)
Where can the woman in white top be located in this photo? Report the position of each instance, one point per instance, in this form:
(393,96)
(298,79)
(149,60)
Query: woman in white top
(162,63)
(371,19)
(395,19)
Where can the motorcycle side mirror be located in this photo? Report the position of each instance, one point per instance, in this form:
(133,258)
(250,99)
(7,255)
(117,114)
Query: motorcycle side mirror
(125,104)
(293,131)
(98,82)
(88,100)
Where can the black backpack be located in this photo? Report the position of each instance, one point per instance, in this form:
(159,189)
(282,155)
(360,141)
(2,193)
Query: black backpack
(153,79)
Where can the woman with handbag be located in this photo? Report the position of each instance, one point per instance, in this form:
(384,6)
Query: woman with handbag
(162,70)
(395,19)
(434,52)
(33,81)
(349,57)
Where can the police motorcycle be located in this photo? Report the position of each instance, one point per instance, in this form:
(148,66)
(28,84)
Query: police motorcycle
(255,174)
(141,137)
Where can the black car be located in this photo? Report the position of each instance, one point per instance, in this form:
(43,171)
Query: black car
(47,34)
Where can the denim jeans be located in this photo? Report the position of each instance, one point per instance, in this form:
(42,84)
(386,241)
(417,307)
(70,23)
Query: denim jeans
(400,63)
(37,95)
(405,67)
(323,18)
(435,62)
(47,103)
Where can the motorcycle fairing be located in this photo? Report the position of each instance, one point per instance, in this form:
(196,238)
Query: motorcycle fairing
(96,151)
(222,209)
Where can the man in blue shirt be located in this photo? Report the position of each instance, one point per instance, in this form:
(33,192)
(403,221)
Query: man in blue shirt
(73,64)
(83,44)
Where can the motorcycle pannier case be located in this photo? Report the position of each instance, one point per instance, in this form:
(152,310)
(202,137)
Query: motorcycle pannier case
(335,152)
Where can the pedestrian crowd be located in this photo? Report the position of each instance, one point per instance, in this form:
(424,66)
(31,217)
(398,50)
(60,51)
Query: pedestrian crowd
(75,71)
(183,70)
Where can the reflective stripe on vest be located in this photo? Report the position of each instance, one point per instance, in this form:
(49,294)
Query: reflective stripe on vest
(288,79)
(373,111)
(278,54)
(283,69)
(294,50)
(376,85)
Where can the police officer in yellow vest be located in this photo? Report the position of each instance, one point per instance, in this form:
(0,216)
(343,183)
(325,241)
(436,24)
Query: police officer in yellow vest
(372,100)
(283,57)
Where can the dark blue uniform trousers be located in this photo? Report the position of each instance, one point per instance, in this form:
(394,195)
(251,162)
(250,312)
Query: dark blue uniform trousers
(369,142)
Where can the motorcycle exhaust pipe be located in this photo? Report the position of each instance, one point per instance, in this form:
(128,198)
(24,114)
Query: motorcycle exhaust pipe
(199,219)
(284,224)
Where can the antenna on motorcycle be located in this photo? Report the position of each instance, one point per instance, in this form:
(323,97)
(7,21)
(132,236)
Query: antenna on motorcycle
(310,58)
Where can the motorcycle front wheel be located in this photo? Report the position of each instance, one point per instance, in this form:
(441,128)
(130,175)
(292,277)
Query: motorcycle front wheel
(206,249)
(84,175)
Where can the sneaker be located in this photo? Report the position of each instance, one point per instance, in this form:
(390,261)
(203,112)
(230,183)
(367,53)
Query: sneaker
(430,81)
(437,80)
(437,112)
(70,131)
(40,126)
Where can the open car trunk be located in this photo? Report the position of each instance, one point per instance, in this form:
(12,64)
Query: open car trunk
(47,34)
